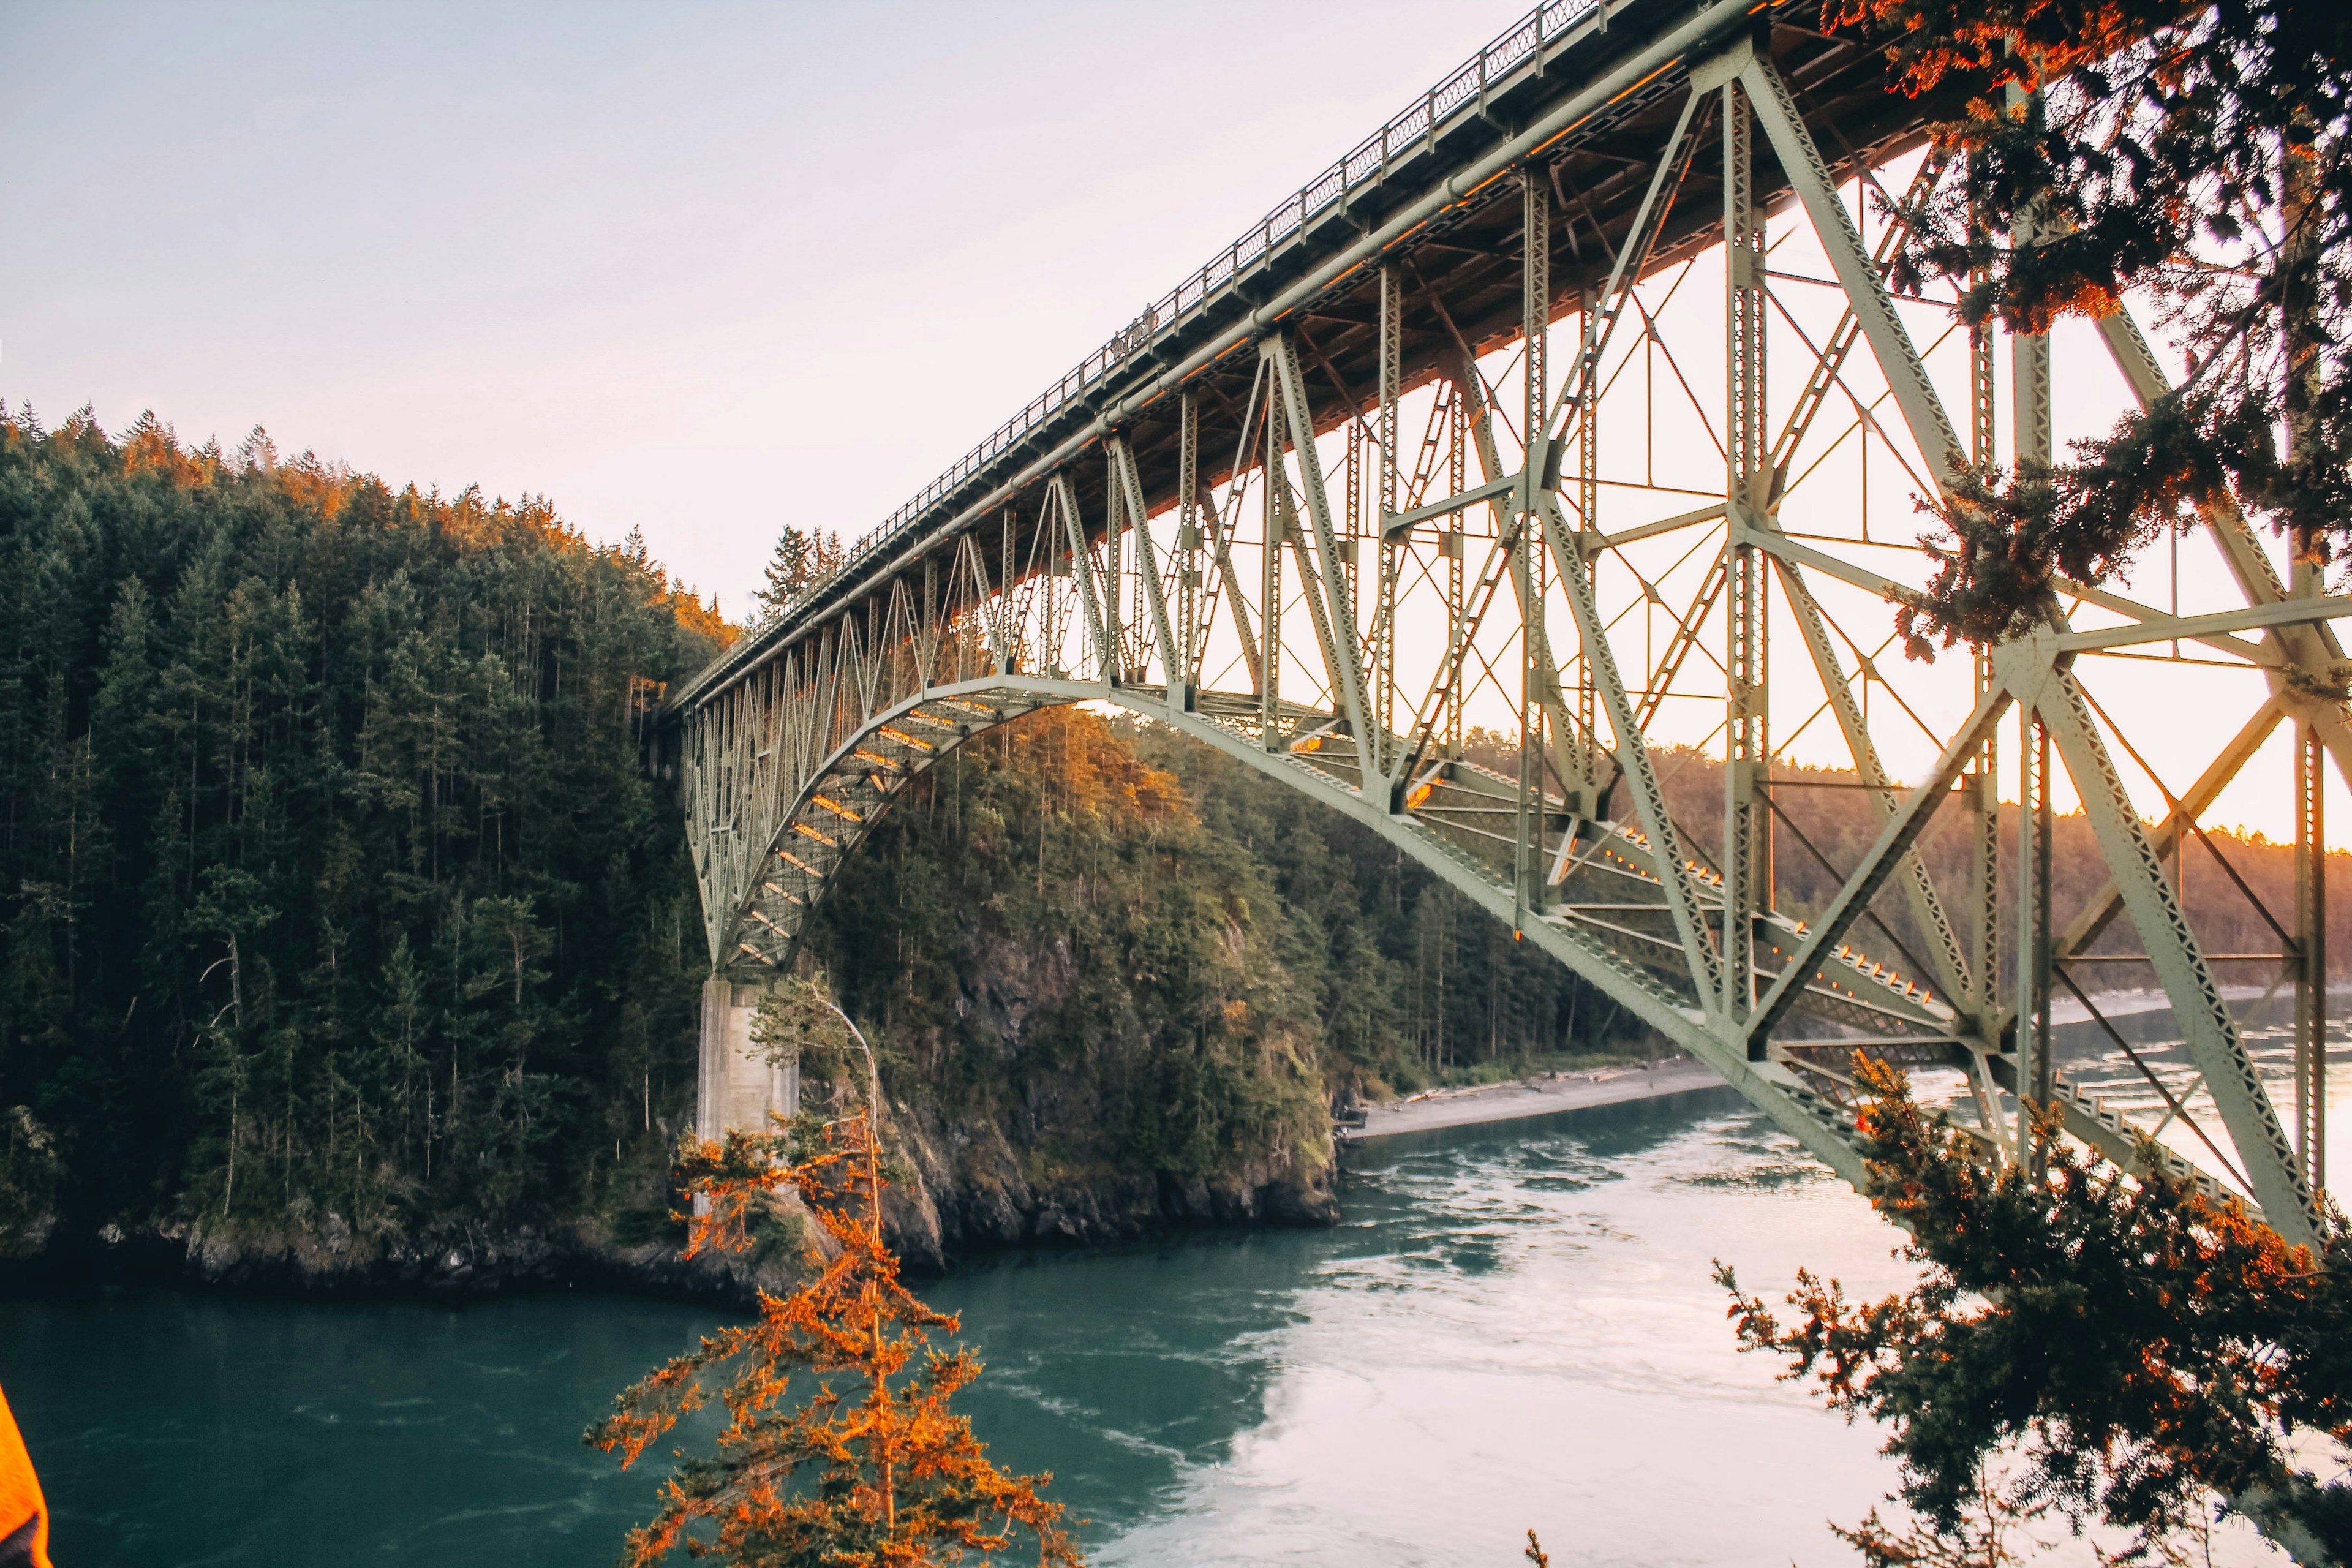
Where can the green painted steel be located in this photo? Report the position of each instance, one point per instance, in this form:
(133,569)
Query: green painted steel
(1253,517)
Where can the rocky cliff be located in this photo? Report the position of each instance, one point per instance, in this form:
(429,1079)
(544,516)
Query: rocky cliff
(1097,1019)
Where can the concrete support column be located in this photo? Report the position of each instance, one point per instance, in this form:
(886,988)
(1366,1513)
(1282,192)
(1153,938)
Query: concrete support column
(735,1090)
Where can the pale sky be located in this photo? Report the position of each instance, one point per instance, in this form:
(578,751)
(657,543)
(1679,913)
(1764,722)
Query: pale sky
(699,268)
(702,269)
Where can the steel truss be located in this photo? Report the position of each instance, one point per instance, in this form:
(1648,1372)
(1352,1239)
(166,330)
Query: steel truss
(1399,477)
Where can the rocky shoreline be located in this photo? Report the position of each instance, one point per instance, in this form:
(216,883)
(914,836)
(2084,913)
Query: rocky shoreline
(969,1190)
(961,1189)
(529,1259)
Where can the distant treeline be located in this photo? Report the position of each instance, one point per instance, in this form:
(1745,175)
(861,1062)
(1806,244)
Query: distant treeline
(1821,834)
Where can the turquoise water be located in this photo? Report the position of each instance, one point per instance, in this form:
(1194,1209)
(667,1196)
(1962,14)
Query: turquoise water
(1514,1326)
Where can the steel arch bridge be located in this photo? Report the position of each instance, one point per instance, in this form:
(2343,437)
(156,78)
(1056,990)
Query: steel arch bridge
(1553,408)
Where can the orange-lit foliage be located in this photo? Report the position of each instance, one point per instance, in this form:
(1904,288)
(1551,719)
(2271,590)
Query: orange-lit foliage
(880,1474)
(1089,770)
(2126,1346)
(466,522)
(2196,154)
(2025,42)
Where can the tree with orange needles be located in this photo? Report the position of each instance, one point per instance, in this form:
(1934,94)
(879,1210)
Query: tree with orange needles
(2083,1341)
(2198,152)
(882,1477)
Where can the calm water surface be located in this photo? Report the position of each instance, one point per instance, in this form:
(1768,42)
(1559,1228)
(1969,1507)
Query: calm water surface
(1513,1327)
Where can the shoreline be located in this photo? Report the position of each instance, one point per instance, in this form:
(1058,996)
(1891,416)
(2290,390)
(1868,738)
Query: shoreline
(1518,1098)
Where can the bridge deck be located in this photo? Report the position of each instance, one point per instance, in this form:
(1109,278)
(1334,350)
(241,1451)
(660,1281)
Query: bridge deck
(1496,205)
(1593,86)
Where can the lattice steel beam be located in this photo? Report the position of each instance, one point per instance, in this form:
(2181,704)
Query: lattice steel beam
(1125,543)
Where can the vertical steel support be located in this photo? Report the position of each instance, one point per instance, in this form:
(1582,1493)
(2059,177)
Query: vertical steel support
(2311,955)
(1587,513)
(929,619)
(2308,580)
(1984,803)
(1270,583)
(1980,398)
(2030,372)
(1049,610)
(1352,551)
(2030,439)
(1457,473)
(1005,646)
(1115,581)
(2037,1073)
(1391,328)
(1526,548)
(967,626)
(1186,655)
(2029,365)
(1527,848)
(1746,830)
(1984,870)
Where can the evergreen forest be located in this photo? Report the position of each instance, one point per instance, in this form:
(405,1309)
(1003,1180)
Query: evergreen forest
(338,909)
(333,896)
(337,906)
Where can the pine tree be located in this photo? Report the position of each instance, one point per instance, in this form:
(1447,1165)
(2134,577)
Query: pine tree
(877,1474)
(793,567)
(2115,1344)
(2199,152)
(313,793)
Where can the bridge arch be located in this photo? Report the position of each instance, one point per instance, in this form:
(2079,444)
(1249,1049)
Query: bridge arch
(851,788)
(1346,483)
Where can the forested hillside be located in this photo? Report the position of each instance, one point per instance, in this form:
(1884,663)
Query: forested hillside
(332,896)
(1118,977)
(339,918)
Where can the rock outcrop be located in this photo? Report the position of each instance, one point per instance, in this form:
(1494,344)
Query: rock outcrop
(964,1187)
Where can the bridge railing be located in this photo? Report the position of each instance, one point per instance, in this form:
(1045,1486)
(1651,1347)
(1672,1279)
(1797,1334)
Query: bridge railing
(1462,91)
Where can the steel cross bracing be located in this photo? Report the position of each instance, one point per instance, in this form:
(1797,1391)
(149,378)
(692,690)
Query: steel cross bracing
(1476,504)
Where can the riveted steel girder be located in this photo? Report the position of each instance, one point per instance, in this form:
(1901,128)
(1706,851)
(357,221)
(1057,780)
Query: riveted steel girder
(1254,518)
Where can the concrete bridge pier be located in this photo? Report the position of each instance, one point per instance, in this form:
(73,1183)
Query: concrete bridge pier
(734,1087)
